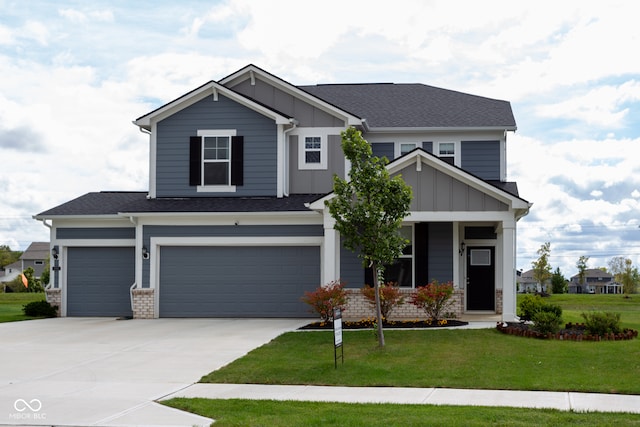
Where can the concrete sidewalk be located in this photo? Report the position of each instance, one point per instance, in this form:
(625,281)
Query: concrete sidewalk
(566,401)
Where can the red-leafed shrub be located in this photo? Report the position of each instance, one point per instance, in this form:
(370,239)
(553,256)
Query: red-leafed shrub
(433,298)
(326,298)
(390,297)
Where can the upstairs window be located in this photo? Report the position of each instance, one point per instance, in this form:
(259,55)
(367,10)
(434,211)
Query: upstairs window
(447,152)
(216,160)
(312,149)
(312,152)
(407,147)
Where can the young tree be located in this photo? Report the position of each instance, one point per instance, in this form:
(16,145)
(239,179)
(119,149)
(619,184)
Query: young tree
(558,282)
(581,265)
(369,209)
(629,278)
(617,267)
(541,266)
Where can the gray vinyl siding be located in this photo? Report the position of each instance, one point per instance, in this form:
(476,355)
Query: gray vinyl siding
(306,114)
(98,281)
(223,231)
(383,149)
(315,181)
(351,269)
(440,250)
(428,147)
(481,158)
(435,191)
(172,147)
(237,281)
(96,233)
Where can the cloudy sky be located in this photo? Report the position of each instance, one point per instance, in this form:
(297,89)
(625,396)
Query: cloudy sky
(74,74)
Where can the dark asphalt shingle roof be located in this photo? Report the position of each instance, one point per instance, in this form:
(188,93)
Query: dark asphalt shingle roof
(112,203)
(415,105)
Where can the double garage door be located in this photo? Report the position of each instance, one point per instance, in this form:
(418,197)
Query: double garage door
(260,281)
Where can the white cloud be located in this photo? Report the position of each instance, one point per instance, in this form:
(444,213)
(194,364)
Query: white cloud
(600,106)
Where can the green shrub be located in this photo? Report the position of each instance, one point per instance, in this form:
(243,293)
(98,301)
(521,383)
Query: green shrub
(533,304)
(530,305)
(326,298)
(547,321)
(600,323)
(40,309)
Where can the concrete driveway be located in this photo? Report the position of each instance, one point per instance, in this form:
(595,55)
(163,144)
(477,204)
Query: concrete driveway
(107,372)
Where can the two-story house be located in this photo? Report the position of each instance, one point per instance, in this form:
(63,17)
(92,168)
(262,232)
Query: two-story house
(234,222)
(595,281)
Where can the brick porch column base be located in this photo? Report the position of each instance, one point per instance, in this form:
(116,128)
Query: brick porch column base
(54,297)
(359,308)
(498,301)
(143,304)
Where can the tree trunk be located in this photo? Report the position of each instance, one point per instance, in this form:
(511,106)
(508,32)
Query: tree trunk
(376,289)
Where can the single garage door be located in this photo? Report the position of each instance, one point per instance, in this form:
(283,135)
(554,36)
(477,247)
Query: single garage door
(98,281)
(237,281)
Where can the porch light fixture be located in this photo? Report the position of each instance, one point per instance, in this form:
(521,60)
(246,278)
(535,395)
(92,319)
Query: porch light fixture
(461,250)
(54,252)
(145,253)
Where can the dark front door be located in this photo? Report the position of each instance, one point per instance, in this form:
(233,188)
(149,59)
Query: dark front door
(481,279)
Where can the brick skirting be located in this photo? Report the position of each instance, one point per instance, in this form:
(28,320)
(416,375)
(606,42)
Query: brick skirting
(143,303)
(54,297)
(359,308)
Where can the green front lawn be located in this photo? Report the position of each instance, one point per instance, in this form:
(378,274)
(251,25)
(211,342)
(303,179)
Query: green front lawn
(11,305)
(247,413)
(435,358)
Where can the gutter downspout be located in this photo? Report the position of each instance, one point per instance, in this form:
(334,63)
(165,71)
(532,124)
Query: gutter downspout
(51,283)
(137,251)
(285,166)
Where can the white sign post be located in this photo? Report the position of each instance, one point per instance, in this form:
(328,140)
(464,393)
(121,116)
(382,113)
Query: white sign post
(337,336)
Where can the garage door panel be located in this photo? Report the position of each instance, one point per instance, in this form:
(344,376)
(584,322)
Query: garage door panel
(237,281)
(98,281)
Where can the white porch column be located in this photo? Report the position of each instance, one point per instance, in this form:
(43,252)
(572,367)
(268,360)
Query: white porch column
(509,271)
(330,250)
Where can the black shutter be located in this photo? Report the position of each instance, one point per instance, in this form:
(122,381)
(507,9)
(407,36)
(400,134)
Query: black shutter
(195,160)
(237,160)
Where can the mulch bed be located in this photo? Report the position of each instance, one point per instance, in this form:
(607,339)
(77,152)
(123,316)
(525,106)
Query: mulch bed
(571,332)
(398,324)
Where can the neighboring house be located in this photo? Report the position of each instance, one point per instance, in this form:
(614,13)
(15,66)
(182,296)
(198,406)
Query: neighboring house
(528,285)
(9,272)
(35,257)
(595,281)
(234,222)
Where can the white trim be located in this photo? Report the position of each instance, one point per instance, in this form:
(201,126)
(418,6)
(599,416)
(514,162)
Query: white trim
(157,243)
(216,189)
(217,132)
(199,94)
(153,155)
(255,72)
(302,153)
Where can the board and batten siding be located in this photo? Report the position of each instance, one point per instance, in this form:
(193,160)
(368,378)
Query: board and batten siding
(435,191)
(260,147)
(307,115)
(186,231)
(315,181)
